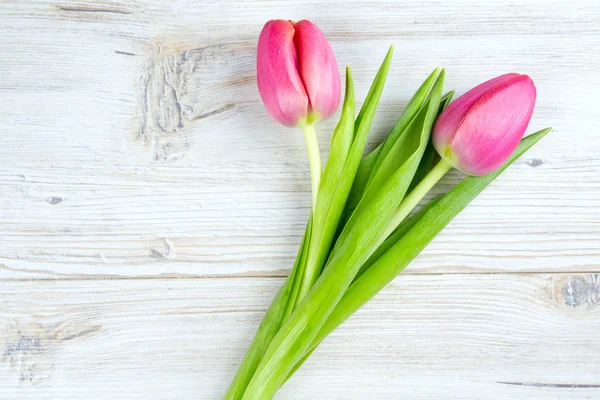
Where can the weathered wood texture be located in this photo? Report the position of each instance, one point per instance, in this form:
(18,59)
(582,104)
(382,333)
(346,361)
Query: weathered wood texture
(135,147)
(449,336)
(135,142)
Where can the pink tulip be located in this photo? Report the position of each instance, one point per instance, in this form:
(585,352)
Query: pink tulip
(297,74)
(480,130)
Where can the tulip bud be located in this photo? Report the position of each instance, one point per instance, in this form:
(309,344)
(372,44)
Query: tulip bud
(297,74)
(478,132)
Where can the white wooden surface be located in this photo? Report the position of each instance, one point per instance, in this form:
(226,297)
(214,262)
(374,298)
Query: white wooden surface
(149,208)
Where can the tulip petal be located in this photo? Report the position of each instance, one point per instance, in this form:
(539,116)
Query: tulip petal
(494,125)
(448,122)
(279,82)
(318,69)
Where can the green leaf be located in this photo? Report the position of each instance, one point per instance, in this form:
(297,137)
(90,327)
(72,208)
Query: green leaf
(429,155)
(385,246)
(333,193)
(285,300)
(446,100)
(362,178)
(385,165)
(424,166)
(358,186)
(343,134)
(360,238)
(372,162)
(393,261)
(394,237)
(347,173)
(406,139)
(296,276)
(269,326)
(375,89)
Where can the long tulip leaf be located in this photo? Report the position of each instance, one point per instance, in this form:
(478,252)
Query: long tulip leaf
(284,302)
(372,162)
(446,100)
(394,237)
(380,171)
(385,246)
(430,152)
(269,326)
(330,209)
(331,199)
(361,236)
(397,257)
(374,90)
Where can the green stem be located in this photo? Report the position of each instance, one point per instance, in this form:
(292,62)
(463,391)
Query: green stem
(411,201)
(314,159)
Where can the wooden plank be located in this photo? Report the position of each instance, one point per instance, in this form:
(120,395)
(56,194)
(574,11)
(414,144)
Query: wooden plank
(192,100)
(145,83)
(135,143)
(447,336)
(186,221)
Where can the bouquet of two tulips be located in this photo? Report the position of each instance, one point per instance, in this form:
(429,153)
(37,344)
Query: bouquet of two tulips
(359,235)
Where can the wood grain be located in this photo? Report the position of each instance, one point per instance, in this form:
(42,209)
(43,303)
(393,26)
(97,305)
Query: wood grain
(449,336)
(229,220)
(131,125)
(135,148)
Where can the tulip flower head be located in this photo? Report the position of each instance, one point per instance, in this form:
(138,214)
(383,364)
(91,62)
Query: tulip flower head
(297,75)
(477,133)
